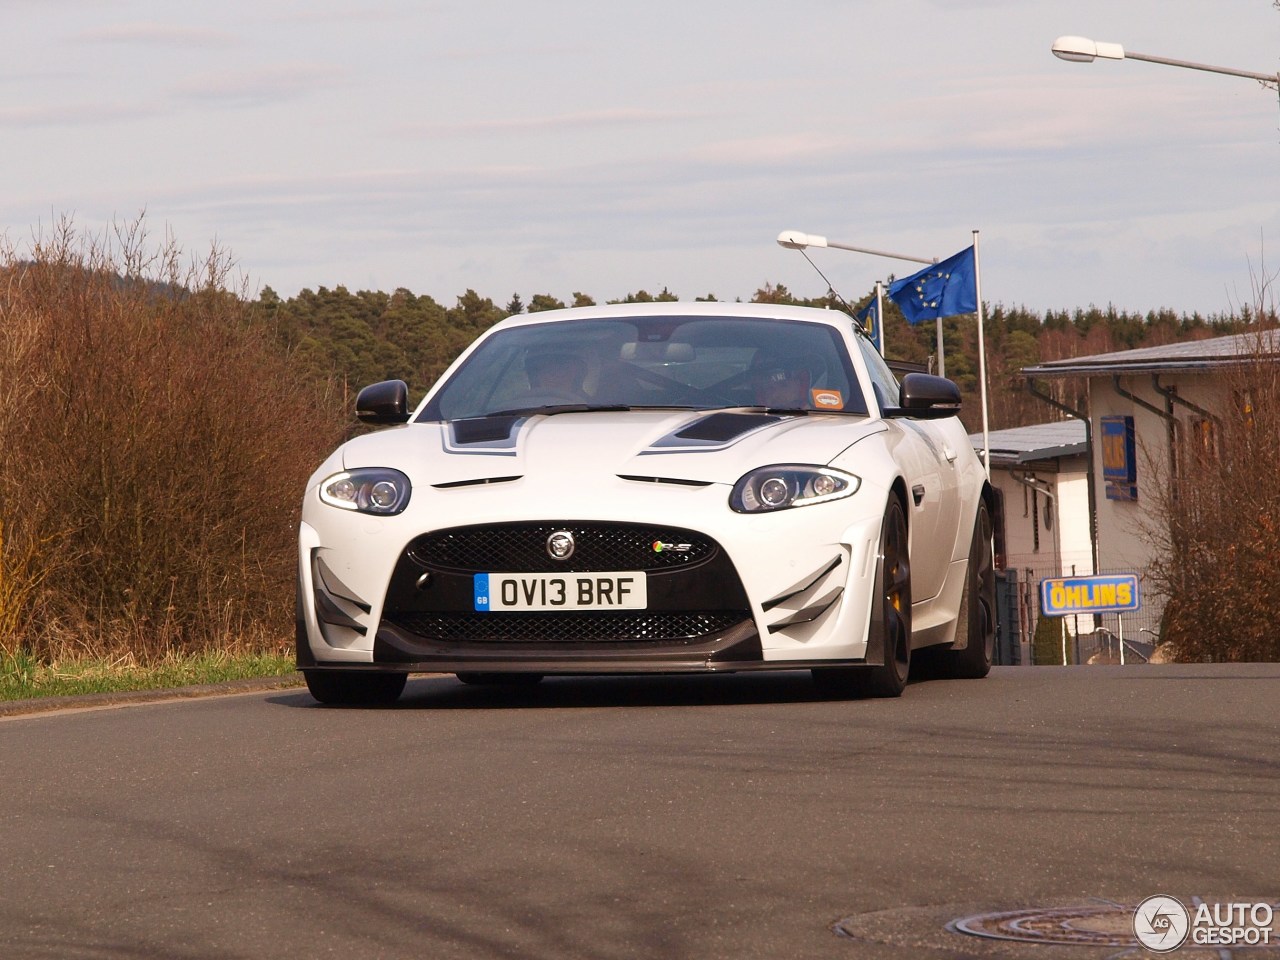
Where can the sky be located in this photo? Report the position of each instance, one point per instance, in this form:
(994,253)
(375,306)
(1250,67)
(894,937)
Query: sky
(557,146)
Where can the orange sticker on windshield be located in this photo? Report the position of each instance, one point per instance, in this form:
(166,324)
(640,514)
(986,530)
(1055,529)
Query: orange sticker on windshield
(827,399)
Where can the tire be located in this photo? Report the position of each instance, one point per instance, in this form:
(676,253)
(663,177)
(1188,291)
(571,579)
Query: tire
(354,687)
(890,621)
(977,616)
(500,679)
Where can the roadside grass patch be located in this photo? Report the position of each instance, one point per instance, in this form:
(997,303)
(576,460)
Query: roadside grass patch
(22,677)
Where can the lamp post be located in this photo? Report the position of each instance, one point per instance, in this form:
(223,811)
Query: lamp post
(795,240)
(1084,50)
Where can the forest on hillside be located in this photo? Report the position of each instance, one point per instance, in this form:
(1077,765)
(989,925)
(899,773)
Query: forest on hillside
(354,339)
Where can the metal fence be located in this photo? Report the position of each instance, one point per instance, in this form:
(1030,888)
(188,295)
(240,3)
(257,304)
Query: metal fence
(1083,638)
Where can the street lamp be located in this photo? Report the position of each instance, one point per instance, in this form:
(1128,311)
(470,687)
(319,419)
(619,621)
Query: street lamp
(795,240)
(1084,50)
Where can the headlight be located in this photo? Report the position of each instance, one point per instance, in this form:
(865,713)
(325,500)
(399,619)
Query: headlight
(790,485)
(377,490)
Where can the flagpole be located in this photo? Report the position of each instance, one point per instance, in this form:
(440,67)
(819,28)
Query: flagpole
(942,354)
(880,316)
(982,357)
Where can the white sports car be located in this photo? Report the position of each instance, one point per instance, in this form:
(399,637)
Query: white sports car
(651,488)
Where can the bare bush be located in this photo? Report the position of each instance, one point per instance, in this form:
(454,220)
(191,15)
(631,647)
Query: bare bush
(1218,528)
(153,445)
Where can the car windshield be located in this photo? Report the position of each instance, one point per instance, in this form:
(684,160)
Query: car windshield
(669,361)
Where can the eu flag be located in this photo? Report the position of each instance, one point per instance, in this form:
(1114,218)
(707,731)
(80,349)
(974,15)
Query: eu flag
(869,316)
(939,290)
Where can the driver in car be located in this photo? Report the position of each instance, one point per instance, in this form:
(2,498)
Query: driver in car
(781,382)
(558,374)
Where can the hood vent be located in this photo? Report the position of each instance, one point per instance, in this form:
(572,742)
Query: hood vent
(723,427)
(482,429)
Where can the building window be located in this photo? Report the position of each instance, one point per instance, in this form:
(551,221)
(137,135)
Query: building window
(1202,436)
(1244,404)
(1035,521)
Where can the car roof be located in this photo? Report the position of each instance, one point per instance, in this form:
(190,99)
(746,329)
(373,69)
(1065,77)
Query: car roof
(699,308)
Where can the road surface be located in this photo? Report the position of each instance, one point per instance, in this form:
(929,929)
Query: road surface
(687,817)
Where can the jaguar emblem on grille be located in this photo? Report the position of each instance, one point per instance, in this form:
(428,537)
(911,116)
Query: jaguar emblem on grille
(560,545)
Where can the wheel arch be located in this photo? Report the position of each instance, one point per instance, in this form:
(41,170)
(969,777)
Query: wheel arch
(988,496)
(899,489)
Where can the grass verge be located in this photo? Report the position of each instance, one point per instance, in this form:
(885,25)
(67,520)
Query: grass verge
(23,678)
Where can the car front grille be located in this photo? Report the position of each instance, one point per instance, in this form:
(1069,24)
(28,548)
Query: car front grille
(693,593)
(648,628)
(522,548)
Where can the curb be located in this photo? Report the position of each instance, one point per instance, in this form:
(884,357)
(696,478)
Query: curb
(15,708)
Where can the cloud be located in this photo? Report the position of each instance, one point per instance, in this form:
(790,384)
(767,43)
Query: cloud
(775,149)
(73,115)
(585,120)
(265,85)
(159,34)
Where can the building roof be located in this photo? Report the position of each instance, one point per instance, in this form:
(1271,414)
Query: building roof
(1042,441)
(1187,355)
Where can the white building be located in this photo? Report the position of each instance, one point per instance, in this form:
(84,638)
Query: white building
(1140,405)
(1042,475)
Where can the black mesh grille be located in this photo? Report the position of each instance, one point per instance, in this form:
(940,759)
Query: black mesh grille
(522,548)
(650,628)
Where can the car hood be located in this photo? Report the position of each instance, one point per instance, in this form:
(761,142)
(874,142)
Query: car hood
(691,446)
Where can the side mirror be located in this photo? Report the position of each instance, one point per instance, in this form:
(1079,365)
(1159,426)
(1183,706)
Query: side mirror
(383,403)
(926,397)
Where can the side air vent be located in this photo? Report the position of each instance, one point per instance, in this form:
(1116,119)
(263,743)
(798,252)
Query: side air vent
(473,483)
(682,483)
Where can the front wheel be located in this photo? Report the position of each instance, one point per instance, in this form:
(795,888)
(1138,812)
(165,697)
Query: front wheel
(354,687)
(890,621)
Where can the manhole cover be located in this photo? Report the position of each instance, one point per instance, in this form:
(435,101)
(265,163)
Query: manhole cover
(1106,924)
(1097,929)
(1100,925)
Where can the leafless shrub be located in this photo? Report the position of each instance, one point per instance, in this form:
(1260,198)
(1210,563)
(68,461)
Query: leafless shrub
(153,447)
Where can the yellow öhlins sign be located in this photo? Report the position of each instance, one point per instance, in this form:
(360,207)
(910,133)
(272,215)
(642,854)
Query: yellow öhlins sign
(1064,596)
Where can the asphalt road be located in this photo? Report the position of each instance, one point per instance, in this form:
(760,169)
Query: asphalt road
(686,817)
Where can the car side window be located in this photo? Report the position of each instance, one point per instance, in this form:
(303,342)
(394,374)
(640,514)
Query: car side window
(883,383)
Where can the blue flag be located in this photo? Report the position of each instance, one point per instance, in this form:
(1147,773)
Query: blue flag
(939,290)
(869,317)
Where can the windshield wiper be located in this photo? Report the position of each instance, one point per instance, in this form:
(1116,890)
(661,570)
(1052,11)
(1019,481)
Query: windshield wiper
(760,408)
(801,411)
(552,409)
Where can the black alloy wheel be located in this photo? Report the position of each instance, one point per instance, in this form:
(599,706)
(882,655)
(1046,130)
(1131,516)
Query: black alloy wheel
(890,620)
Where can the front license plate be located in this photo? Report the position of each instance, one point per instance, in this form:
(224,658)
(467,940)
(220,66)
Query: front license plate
(560,591)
